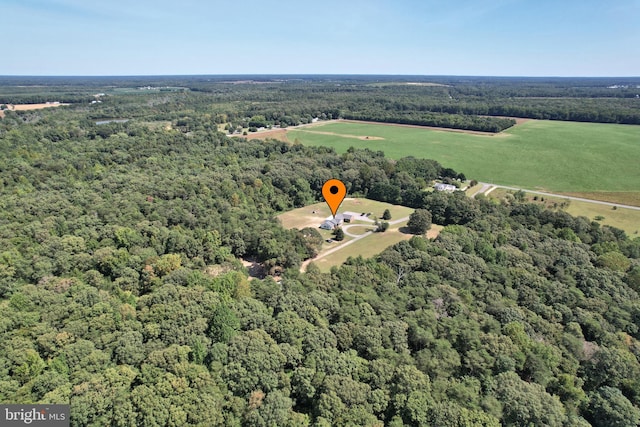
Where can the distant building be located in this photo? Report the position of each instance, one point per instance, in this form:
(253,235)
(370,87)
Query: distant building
(445,187)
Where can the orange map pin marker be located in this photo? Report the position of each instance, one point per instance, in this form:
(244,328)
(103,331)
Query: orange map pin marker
(334,192)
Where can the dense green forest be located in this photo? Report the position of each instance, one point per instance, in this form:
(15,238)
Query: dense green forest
(122,291)
(473,103)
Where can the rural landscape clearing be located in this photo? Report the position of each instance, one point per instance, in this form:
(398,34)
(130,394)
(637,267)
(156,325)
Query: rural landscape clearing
(588,159)
(361,238)
(28,107)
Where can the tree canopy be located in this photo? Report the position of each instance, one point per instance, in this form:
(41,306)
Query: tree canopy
(419,221)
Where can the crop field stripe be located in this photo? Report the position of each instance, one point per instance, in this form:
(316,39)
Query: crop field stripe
(538,154)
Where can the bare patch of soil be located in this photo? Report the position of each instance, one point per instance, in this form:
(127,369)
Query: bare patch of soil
(433,233)
(256,270)
(279,134)
(25,107)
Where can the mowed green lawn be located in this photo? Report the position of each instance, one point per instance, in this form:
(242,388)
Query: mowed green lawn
(366,247)
(370,246)
(538,154)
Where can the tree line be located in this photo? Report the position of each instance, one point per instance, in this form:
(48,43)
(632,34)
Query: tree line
(456,102)
(451,121)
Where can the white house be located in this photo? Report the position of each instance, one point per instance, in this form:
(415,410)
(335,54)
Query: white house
(331,223)
(445,187)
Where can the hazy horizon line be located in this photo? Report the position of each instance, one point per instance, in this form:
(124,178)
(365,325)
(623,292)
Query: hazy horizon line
(327,74)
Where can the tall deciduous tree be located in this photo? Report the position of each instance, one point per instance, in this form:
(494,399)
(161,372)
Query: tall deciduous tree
(419,221)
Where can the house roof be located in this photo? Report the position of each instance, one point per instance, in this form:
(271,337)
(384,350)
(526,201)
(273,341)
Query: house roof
(440,186)
(333,222)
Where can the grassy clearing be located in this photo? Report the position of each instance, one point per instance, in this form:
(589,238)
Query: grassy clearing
(145,90)
(622,197)
(470,191)
(157,125)
(538,154)
(314,215)
(624,219)
(367,247)
(360,229)
(305,217)
(27,107)
(370,246)
(279,134)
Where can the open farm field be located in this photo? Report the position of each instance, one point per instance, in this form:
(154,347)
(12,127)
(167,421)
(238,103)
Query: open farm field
(568,157)
(144,90)
(622,218)
(279,134)
(26,107)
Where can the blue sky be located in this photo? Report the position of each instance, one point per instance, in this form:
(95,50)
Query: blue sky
(428,37)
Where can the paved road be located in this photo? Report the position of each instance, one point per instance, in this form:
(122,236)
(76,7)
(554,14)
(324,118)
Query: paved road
(482,189)
(346,229)
(542,193)
(358,236)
